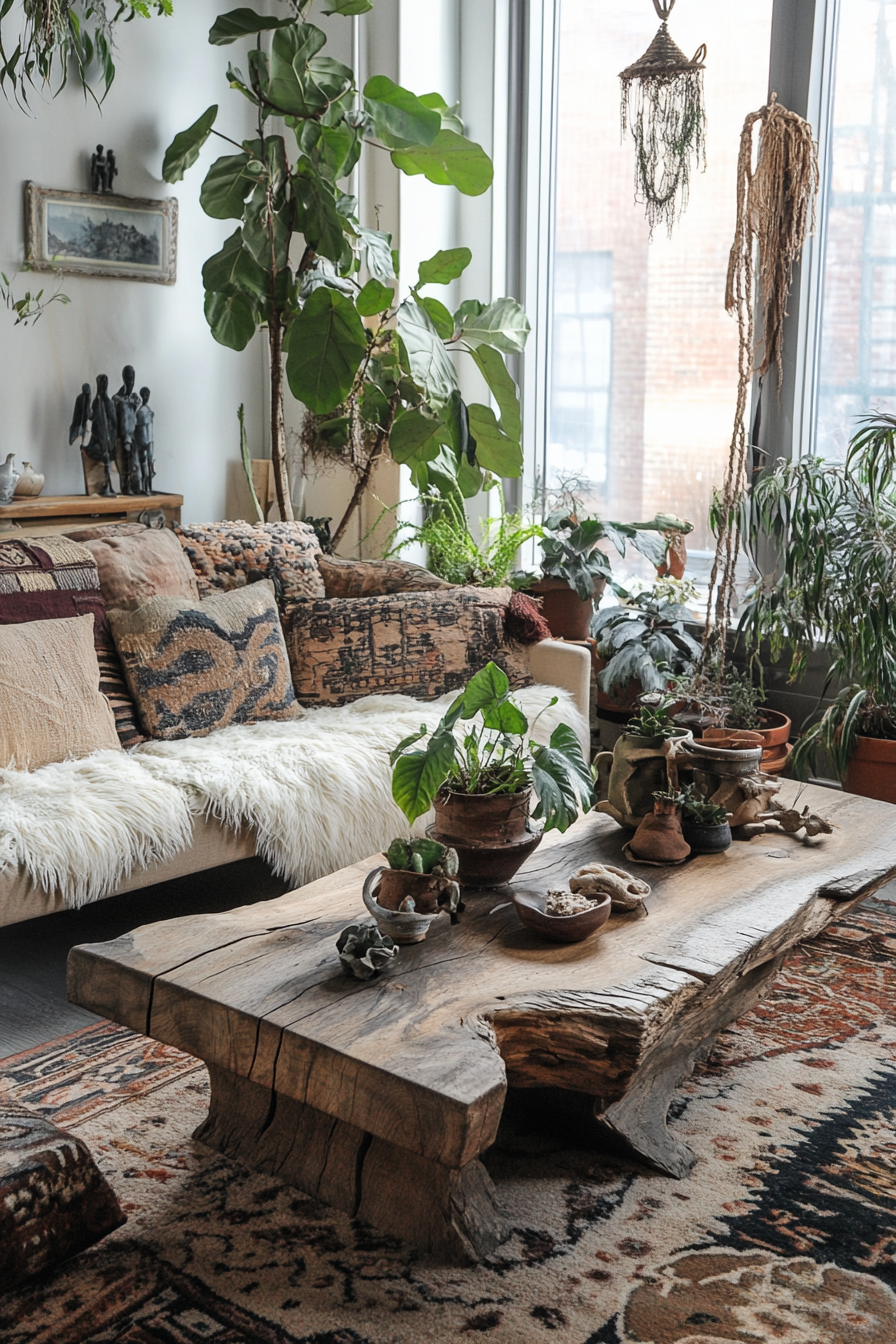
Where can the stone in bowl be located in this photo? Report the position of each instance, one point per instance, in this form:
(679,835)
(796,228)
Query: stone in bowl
(530,907)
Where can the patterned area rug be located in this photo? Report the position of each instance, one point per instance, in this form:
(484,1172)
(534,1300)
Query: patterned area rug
(785,1232)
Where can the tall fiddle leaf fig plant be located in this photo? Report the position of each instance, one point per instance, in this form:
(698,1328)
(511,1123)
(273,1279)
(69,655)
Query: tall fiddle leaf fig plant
(372,365)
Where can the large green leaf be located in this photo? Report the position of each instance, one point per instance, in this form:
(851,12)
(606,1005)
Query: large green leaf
(450,160)
(445,266)
(184,149)
(376,253)
(374,299)
(333,149)
(234,270)
(502,324)
(242,23)
(317,216)
(494,450)
(290,87)
(559,773)
(440,316)
(485,689)
(399,118)
(429,361)
(502,388)
(226,186)
(414,437)
(418,776)
(349,7)
(231,318)
(332,77)
(327,342)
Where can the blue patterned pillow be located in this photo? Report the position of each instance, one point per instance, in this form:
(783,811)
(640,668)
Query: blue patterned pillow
(195,667)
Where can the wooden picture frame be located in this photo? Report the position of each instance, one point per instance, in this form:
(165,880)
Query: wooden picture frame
(93,233)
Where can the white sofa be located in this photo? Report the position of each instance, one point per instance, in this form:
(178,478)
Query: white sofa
(552,662)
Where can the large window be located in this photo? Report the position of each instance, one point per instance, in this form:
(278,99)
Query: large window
(643,358)
(857,356)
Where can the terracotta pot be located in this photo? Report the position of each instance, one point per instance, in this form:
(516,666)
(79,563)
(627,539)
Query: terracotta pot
(676,559)
(490,833)
(775,734)
(397,884)
(566,614)
(659,839)
(871,772)
(731,739)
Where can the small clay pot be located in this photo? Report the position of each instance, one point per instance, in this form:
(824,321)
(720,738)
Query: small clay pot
(482,818)
(706,839)
(658,839)
(397,884)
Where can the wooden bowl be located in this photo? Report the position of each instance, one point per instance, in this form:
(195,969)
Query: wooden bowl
(529,906)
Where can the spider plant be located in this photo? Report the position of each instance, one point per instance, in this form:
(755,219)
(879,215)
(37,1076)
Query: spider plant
(833,528)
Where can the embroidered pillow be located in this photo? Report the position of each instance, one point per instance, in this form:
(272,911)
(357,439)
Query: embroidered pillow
(195,667)
(55,577)
(50,702)
(372,578)
(419,644)
(225,556)
(54,1201)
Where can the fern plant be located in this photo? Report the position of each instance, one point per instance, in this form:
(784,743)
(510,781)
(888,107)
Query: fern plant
(833,528)
(452,550)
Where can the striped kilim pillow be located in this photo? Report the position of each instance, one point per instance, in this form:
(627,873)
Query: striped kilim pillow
(52,577)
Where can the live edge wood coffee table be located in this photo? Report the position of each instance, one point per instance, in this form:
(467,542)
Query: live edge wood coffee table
(378,1097)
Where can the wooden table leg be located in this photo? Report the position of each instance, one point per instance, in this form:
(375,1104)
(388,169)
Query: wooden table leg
(638,1121)
(448,1212)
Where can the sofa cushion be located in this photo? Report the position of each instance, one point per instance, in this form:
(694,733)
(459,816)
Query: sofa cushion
(225,556)
(195,667)
(419,644)
(133,569)
(54,1201)
(95,530)
(50,702)
(371,578)
(56,577)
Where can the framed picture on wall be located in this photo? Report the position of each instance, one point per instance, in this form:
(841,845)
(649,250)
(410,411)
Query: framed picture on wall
(85,233)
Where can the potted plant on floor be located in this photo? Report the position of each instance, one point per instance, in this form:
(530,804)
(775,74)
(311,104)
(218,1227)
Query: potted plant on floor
(833,528)
(481,782)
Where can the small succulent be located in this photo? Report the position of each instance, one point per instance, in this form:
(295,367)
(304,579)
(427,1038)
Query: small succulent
(364,951)
(652,720)
(701,811)
(422,856)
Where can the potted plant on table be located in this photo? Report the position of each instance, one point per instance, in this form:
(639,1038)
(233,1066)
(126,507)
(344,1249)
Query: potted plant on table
(833,529)
(705,825)
(640,645)
(481,781)
(720,705)
(642,762)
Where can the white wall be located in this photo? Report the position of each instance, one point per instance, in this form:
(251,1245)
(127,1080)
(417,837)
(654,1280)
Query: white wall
(167,75)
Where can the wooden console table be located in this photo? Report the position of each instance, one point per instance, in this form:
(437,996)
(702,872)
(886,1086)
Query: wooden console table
(29,516)
(379,1096)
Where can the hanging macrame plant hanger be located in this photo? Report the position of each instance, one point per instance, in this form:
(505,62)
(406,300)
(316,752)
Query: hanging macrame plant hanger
(662,105)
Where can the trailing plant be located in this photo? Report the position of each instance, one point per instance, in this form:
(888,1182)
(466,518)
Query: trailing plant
(833,528)
(495,755)
(422,856)
(452,550)
(52,37)
(653,719)
(30,307)
(643,640)
(374,371)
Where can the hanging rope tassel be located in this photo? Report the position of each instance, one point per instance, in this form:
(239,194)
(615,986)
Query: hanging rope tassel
(776,204)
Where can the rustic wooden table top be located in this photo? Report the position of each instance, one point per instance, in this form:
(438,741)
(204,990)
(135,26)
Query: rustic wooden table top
(422,1055)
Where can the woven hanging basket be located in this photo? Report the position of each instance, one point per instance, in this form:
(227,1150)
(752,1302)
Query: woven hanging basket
(663,59)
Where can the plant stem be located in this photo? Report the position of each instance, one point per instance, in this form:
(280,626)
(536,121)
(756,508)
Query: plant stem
(378,451)
(278,431)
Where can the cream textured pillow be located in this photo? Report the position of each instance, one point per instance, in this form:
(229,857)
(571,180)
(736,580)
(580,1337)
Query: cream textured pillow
(195,667)
(50,703)
(134,568)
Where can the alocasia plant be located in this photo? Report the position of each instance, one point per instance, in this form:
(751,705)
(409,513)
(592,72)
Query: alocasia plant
(375,364)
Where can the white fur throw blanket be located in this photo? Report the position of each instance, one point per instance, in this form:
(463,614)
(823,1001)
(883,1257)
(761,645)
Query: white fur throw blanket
(316,791)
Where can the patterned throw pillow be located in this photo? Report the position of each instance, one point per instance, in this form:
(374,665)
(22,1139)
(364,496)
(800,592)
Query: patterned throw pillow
(55,577)
(419,644)
(196,667)
(372,578)
(225,556)
(54,1201)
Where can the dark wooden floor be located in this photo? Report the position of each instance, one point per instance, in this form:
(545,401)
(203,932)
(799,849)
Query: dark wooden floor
(33,1006)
